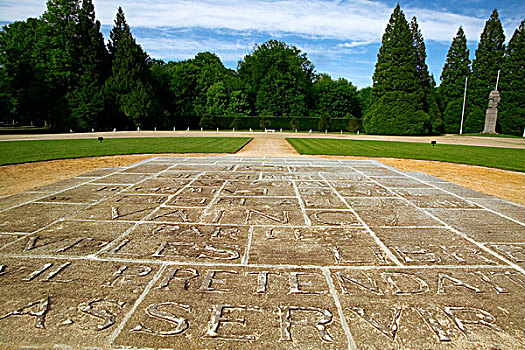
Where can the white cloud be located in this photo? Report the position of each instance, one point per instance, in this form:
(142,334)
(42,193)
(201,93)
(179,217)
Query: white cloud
(352,44)
(353,21)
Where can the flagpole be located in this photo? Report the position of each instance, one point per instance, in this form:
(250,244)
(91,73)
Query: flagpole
(463,111)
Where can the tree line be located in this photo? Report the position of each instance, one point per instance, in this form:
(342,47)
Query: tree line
(58,71)
(404,94)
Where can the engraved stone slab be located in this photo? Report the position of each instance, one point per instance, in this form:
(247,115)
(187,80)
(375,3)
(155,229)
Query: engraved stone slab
(147,168)
(159,186)
(194,197)
(389,212)
(33,216)
(258,188)
(60,185)
(434,198)
(363,188)
(120,179)
(183,242)
(123,207)
(433,246)
(314,198)
(433,309)
(482,225)
(315,246)
(13,200)
(84,194)
(400,182)
(515,252)
(48,302)
(6,239)
(68,238)
(197,307)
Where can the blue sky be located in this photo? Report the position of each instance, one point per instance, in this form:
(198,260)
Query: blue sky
(340,37)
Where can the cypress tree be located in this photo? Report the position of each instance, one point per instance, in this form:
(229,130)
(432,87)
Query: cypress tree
(426,81)
(512,106)
(396,67)
(489,59)
(451,90)
(120,29)
(86,101)
(397,93)
(130,83)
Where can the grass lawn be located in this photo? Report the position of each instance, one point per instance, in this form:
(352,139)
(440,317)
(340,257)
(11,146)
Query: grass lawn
(13,152)
(495,157)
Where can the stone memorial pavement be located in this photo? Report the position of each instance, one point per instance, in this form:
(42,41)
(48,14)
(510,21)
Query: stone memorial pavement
(260,253)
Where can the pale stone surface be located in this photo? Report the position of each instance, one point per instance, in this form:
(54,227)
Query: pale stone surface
(260,253)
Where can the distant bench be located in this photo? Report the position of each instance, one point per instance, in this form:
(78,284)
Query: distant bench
(269,130)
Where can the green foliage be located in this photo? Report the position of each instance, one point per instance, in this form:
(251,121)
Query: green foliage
(264,121)
(452,116)
(336,97)
(511,115)
(456,69)
(395,113)
(403,91)
(365,99)
(294,123)
(207,122)
(216,99)
(277,78)
(497,157)
(489,59)
(26,90)
(324,121)
(396,67)
(130,81)
(426,81)
(474,120)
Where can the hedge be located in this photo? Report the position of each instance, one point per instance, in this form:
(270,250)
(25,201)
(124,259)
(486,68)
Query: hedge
(277,123)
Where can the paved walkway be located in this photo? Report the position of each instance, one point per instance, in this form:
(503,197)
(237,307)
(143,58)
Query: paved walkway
(270,253)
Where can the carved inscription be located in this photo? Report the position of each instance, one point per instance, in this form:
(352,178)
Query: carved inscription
(37,309)
(317,318)
(179,324)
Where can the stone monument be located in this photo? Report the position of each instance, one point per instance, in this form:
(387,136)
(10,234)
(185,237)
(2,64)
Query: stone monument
(491,115)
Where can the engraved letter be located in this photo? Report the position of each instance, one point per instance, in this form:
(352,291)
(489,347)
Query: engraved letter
(401,289)
(391,331)
(209,279)
(262,280)
(174,273)
(319,324)
(217,317)
(181,324)
(41,308)
(456,283)
(295,288)
(471,316)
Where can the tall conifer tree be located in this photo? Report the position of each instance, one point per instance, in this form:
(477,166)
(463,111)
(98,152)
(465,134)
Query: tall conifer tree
(130,83)
(86,100)
(512,107)
(396,67)
(398,93)
(426,81)
(451,90)
(489,59)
